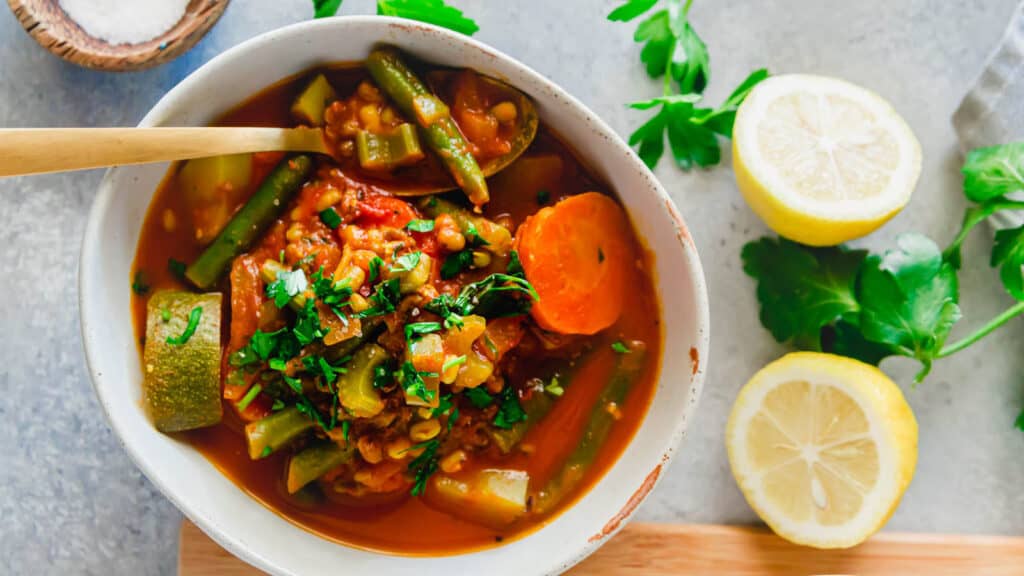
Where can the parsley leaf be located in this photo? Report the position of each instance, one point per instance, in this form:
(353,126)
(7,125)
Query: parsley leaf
(994,171)
(554,388)
(289,283)
(193,322)
(423,466)
(416,330)
(430,11)
(375,263)
(802,289)
(413,383)
(1008,254)
(909,299)
(453,362)
(846,339)
(139,285)
(177,268)
(455,263)
(720,120)
(330,218)
(420,225)
(325,8)
(509,410)
(384,299)
(478,397)
(619,347)
(631,9)
(406,262)
(307,327)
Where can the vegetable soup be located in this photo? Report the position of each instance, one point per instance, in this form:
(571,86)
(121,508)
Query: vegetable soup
(430,341)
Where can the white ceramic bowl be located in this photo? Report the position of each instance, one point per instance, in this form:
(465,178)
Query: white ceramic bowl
(237,521)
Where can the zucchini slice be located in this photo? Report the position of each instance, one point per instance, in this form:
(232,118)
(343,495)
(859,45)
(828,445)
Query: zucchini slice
(181,382)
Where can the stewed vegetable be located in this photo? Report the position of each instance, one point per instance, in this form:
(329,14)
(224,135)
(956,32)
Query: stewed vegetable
(428,374)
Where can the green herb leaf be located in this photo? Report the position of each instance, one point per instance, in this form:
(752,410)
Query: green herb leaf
(277,406)
(307,327)
(515,265)
(1008,255)
(406,262)
(384,299)
(721,119)
(509,410)
(453,362)
(139,285)
(543,197)
(430,11)
(375,263)
(909,299)
(251,395)
(846,339)
(423,466)
(193,322)
(478,397)
(330,218)
(165,314)
(619,347)
(415,330)
(802,289)
(631,9)
(325,8)
(177,268)
(413,383)
(650,137)
(994,171)
(455,263)
(289,283)
(420,225)
(691,67)
(554,388)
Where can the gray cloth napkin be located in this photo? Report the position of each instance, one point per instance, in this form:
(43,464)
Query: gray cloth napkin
(992,112)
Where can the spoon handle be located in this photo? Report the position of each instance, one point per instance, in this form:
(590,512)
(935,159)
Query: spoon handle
(38,150)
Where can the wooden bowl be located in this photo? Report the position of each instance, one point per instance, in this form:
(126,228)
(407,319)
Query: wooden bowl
(54,30)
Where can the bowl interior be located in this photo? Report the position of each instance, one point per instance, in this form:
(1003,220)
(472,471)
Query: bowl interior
(54,30)
(224,511)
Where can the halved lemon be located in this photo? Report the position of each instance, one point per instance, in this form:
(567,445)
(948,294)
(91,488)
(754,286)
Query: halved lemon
(822,161)
(822,447)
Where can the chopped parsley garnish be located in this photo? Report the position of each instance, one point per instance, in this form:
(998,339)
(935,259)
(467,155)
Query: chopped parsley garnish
(383,376)
(453,362)
(139,284)
(600,255)
(509,410)
(165,314)
(307,325)
(455,263)
(444,306)
(289,283)
(619,347)
(413,383)
(554,387)
(515,266)
(446,406)
(266,452)
(384,299)
(375,263)
(345,425)
(406,262)
(278,364)
(278,405)
(478,397)
(193,322)
(423,466)
(415,330)
(330,218)
(335,295)
(249,397)
(473,237)
(420,225)
(177,268)
(543,197)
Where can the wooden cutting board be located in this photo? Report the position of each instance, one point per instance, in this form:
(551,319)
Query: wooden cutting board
(681,550)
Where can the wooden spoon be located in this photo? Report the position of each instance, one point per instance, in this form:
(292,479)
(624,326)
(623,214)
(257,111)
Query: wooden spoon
(39,150)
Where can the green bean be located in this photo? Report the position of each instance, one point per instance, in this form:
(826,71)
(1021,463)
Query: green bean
(314,462)
(441,133)
(498,238)
(267,435)
(256,215)
(628,366)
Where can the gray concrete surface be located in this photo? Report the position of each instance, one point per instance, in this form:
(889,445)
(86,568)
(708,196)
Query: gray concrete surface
(72,502)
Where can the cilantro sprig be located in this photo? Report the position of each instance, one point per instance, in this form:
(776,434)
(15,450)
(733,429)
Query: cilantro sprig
(904,301)
(674,52)
(430,11)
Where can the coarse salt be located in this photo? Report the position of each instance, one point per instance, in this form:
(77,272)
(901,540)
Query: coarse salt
(125,21)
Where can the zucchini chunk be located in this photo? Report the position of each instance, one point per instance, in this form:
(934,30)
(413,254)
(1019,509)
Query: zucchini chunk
(181,360)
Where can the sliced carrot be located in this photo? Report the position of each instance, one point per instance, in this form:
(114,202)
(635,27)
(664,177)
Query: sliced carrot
(579,255)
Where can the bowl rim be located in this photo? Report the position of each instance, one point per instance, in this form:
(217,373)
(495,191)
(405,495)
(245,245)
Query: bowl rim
(694,271)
